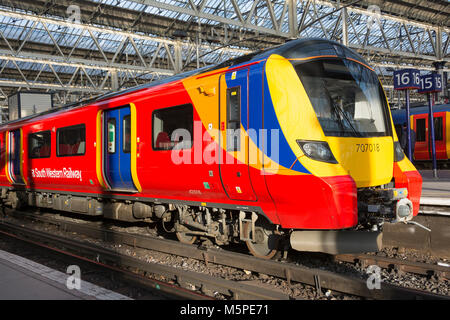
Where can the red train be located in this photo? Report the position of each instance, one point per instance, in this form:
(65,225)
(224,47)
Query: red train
(290,146)
(419,123)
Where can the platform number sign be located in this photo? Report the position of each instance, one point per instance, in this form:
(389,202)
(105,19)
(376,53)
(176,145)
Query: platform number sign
(406,79)
(430,83)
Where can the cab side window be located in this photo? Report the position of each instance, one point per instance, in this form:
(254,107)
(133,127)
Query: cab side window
(234,119)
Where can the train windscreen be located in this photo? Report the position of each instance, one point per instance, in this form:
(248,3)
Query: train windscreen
(346,96)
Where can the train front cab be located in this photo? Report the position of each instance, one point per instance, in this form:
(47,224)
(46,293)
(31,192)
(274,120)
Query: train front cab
(344,167)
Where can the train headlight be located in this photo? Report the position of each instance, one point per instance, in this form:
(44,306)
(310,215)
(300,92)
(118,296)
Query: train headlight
(317,150)
(399,155)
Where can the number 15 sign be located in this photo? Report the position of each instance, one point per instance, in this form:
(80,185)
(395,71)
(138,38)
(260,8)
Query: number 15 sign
(430,83)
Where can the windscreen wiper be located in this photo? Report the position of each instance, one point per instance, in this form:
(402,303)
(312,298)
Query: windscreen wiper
(338,110)
(344,114)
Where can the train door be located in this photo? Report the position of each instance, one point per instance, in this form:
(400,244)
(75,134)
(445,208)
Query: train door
(439,135)
(234,166)
(421,128)
(117,149)
(15,169)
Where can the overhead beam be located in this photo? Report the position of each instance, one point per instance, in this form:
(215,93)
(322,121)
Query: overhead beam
(246,24)
(276,31)
(108,30)
(50,86)
(76,62)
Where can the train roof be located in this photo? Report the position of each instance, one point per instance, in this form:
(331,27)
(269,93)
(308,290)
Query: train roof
(299,48)
(399,116)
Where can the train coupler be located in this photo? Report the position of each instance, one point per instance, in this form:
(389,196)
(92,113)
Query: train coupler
(377,205)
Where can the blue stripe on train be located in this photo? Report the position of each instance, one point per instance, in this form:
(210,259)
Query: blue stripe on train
(261,107)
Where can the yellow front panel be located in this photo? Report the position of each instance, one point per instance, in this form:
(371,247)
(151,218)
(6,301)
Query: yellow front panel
(296,115)
(370,161)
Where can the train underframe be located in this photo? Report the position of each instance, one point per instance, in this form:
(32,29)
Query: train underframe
(225,226)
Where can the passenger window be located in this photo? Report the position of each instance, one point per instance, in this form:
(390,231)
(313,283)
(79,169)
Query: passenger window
(71,141)
(127,134)
(234,119)
(111,135)
(420,130)
(39,145)
(438,129)
(173,128)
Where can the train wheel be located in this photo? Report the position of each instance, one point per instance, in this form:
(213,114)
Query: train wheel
(266,240)
(185,238)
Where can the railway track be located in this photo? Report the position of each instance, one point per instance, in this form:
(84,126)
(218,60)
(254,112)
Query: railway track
(409,236)
(318,278)
(207,286)
(441,272)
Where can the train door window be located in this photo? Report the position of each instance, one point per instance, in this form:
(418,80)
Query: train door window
(39,145)
(438,129)
(112,136)
(173,128)
(12,147)
(71,141)
(420,130)
(234,119)
(127,134)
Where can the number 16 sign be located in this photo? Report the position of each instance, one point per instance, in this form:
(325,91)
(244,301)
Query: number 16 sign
(406,79)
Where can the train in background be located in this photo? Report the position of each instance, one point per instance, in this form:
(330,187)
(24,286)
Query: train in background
(292,146)
(419,118)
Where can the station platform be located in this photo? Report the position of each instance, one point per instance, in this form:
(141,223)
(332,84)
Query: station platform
(23,279)
(436,192)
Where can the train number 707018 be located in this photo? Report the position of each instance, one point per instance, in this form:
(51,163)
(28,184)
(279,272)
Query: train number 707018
(368,147)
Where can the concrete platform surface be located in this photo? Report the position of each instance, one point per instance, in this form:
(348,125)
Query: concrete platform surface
(435,191)
(23,279)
